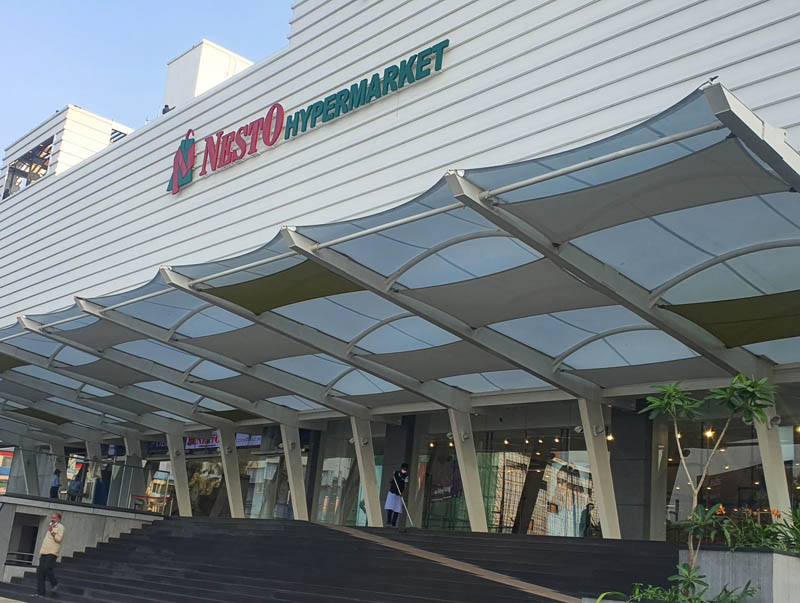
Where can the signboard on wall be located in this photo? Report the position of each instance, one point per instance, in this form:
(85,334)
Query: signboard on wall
(225,148)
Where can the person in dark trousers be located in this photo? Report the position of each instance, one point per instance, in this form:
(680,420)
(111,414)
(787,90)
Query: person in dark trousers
(585,527)
(394,500)
(55,483)
(51,545)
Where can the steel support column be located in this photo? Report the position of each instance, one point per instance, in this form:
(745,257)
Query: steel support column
(59,458)
(658,479)
(177,461)
(461,426)
(133,445)
(94,456)
(365,456)
(30,470)
(594,432)
(769,445)
(230,469)
(290,436)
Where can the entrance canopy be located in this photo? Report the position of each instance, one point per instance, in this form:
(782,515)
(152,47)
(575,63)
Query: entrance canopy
(667,252)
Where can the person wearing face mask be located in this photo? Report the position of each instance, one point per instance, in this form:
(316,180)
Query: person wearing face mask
(51,545)
(394,499)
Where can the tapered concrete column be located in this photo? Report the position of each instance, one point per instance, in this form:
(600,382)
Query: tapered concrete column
(419,451)
(461,426)
(177,461)
(94,456)
(30,472)
(230,468)
(133,458)
(59,459)
(133,446)
(769,445)
(658,479)
(365,456)
(594,432)
(290,436)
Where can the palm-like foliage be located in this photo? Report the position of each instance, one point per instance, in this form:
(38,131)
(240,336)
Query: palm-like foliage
(744,397)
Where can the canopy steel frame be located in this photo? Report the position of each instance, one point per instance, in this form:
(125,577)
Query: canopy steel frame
(147,397)
(559,360)
(66,431)
(75,415)
(262,372)
(148,420)
(577,167)
(661,290)
(351,345)
(436,391)
(268,410)
(605,279)
(397,274)
(520,355)
(22,430)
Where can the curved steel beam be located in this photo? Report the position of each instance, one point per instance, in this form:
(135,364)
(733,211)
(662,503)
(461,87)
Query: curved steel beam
(174,328)
(661,290)
(333,382)
(559,360)
(354,342)
(392,278)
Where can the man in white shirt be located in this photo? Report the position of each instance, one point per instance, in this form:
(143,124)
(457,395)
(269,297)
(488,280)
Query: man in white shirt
(51,545)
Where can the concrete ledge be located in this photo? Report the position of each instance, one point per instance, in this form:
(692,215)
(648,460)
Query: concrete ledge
(77,507)
(776,574)
(85,525)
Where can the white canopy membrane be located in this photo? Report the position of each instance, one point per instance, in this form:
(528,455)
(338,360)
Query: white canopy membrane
(482,284)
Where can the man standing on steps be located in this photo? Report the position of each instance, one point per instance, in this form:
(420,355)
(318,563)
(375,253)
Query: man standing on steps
(394,500)
(48,554)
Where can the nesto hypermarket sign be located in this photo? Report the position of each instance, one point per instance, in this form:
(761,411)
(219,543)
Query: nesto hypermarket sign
(224,148)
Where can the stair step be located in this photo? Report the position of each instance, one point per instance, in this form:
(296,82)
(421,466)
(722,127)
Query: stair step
(249,561)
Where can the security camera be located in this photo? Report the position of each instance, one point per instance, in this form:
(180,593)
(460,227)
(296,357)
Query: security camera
(579,429)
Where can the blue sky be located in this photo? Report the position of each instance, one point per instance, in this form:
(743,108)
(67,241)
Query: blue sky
(110,57)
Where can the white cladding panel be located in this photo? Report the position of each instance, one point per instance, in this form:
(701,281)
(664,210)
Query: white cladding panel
(520,78)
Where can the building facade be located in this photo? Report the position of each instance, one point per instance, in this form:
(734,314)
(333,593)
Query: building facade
(365,109)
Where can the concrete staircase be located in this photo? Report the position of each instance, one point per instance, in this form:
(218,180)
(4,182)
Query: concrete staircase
(580,567)
(196,560)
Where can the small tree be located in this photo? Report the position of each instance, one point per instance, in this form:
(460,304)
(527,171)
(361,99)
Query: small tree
(744,398)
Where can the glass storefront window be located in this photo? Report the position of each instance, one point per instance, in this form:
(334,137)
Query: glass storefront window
(339,495)
(207,491)
(534,480)
(735,477)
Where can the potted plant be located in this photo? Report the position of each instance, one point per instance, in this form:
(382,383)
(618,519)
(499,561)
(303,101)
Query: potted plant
(746,399)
